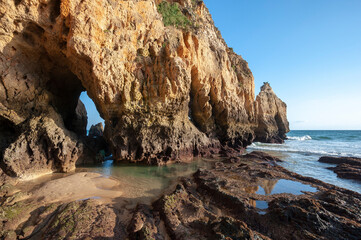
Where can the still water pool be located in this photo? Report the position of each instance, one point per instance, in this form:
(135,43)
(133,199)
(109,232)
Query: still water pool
(144,183)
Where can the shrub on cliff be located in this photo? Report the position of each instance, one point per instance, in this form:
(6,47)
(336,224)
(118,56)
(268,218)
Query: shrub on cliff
(172,15)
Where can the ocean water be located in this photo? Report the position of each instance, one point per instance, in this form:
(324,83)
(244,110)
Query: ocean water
(302,150)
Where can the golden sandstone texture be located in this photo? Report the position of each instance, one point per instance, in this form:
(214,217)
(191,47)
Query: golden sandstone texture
(166,91)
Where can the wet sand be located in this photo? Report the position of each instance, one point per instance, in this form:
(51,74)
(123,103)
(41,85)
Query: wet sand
(78,186)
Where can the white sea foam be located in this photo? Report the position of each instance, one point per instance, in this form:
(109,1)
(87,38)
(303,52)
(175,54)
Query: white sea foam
(283,148)
(303,138)
(301,153)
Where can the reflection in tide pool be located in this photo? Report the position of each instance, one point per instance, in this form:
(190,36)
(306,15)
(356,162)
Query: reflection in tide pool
(284,186)
(258,204)
(262,205)
(107,168)
(275,186)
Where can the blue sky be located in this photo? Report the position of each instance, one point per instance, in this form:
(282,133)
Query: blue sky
(309,51)
(93,115)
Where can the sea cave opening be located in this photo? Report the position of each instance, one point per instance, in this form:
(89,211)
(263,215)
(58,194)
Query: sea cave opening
(94,139)
(93,115)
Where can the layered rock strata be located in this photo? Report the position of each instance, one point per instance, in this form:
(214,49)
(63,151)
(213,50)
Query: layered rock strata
(167,93)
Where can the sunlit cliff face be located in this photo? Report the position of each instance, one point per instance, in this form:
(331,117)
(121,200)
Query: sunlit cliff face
(166,93)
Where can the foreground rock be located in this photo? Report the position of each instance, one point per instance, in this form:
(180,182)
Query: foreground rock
(57,209)
(347,167)
(45,146)
(227,202)
(75,220)
(244,197)
(167,91)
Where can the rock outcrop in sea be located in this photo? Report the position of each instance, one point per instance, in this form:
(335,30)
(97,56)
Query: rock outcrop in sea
(167,86)
(272,123)
(346,167)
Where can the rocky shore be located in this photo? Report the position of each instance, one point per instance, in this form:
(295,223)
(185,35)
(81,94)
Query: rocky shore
(243,197)
(169,89)
(347,167)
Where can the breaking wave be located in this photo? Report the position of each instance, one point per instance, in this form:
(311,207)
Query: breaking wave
(283,148)
(303,138)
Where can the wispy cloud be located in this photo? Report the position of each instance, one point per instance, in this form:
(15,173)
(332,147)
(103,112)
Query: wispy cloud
(298,122)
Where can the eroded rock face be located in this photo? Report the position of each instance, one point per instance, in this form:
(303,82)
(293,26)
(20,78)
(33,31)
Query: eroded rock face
(40,113)
(45,146)
(166,93)
(271,117)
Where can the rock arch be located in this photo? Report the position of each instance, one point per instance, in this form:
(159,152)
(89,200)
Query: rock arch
(142,76)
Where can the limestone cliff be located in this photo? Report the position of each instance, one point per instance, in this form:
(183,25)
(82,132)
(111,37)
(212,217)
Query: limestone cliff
(167,85)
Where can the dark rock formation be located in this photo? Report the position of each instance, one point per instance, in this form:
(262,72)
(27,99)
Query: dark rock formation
(166,93)
(80,120)
(75,220)
(347,167)
(341,160)
(44,146)
(96,130)
(271,117)
(96,145)
(39,95)
(96,150)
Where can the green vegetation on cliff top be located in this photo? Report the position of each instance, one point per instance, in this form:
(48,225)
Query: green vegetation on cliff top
(172,15)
